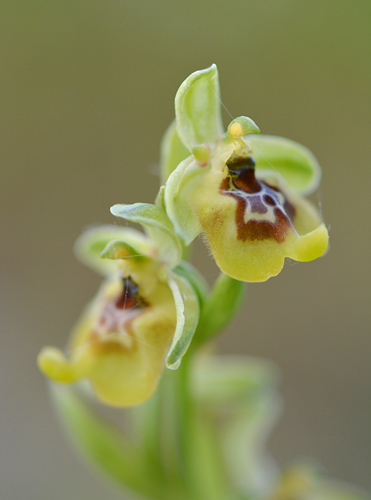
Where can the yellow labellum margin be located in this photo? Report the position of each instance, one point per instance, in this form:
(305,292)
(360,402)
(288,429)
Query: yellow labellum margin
(142,319)
(249,210)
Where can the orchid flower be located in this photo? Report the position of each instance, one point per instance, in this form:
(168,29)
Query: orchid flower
(242,191)
(143,317)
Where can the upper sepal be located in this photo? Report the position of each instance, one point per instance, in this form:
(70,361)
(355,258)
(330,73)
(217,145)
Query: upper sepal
(197,108)
(93,241)
(187,311)
(294,162)
(157,225)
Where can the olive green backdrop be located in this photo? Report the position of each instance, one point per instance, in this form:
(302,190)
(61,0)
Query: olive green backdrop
(86,92)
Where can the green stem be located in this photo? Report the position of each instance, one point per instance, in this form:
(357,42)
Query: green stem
(185,412)
(202,464)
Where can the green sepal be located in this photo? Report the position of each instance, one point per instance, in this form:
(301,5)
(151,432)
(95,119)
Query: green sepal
(102,444)
(178,189)
(197,108)
(121,250)
(158,227)
(220,306)
(188,312)
(172,152)
(94,240)
(294,162)
(196,279)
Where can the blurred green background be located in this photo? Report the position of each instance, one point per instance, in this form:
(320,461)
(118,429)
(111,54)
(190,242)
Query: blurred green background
(86,92)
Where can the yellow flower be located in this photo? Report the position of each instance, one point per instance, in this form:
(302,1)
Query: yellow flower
(142,319)
(241,190)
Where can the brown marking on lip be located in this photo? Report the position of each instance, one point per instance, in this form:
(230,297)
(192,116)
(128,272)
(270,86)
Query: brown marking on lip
(115,319)
(288,207)
(268,199)
(256,205)
(129,296)
(246,181)
(257,230)
(224,186)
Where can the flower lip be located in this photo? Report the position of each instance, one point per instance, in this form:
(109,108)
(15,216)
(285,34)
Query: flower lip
(129,295)
(118,311)
(246,181)
(262,211)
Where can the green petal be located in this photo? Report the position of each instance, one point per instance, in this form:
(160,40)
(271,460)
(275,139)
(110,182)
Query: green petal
(221,306)
(196,279)
(172,153)
(121,250)
(188,312)
(178,190)
(93,241)
(197,108)
(294,162)
(102,444)
(158,227)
